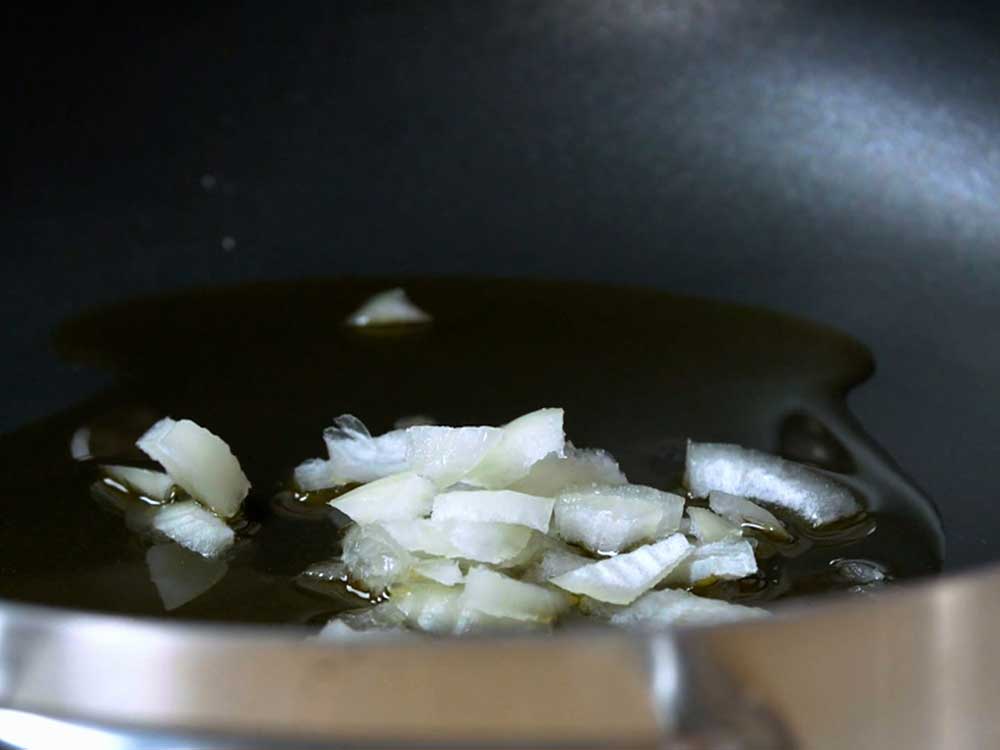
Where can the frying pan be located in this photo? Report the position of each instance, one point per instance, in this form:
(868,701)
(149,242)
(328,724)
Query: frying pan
(838,161)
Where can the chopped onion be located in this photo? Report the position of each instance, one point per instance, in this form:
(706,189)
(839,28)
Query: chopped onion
(577,468)
(192,527)
(672,607)
(79,444)
(524,442)
(706,526)
(394,498)
(391,307)
(749,473)
(494,543)
(727,560)
(152,484)
(373,558)
(494,506)
(610,519)
(199,462)
(430,607)
(447,454)
(622,579)
(500,596)
(739,510)
(354,456)
(381,621)
(180,575)
(445,572)
(555,562)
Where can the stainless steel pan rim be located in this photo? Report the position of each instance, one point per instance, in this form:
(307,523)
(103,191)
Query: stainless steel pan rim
(815,675)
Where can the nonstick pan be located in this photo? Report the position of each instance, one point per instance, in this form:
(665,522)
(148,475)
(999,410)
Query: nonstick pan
(836,161)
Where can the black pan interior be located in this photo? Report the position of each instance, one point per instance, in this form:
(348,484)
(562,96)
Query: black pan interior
(840,161)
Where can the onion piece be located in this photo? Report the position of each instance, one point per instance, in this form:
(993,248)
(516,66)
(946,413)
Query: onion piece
(523,442)
(494,543)
(673,607)
(739,510)
(384,620)
(394,498)
(706,526)
(79,444)
(610,519)
(494,506)
(445,572)
(430,607)
(199,462)
(622,579)
(749,473)
(155,485)
(727,560)
(555,562)
(180,576)
(354,456)
(577,468)
(192,527)
(446,455)
(374,559)
(500,596)
(391,307)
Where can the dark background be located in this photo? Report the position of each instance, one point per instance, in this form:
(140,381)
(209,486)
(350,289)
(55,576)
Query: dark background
(837,160)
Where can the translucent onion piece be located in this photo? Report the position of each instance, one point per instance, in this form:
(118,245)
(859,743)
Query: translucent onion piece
(354,456)
(430,607)
(524,442)
(673,607)
(622,579)
(727,560)
(384,620)
(749,473)
(578,468)
(192,527)
(555,562)
(610,519)
(373,558)
(395,498)
(152,484)
(391,307)
(180,576)
(328,570)
(446,454)
(706,526)
(199,462)
(497,595)
(494,506)
(445,572)
(494,543)
(739,510)
(79,444)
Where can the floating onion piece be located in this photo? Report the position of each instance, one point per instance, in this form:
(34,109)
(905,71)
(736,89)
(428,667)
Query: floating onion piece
(445,572)
(673,607)
(622,579)
(384,620)
(199,462)
(180,576)
(706,526)
(555,562)
(446,455)
(494,506)
(155,485)
(192,527)
(391,307)
(430,607)
(394,498)
(611,519)
(749,473)
(494,543)
(373,558)
(726,560)
(500,596)
(577,468)
(523,442)
(739,510)
(79,444)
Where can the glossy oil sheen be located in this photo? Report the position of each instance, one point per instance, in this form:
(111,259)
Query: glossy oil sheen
(267,367)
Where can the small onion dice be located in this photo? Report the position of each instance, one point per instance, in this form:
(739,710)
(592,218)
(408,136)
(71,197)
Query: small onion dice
(726,560)
(523,443)
(494,506)
(741,511)
(610,519)
(398,497)
(578,468)
(500,596)
(391,307)
(672,607)
(192,527)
